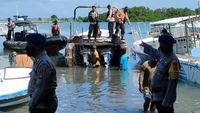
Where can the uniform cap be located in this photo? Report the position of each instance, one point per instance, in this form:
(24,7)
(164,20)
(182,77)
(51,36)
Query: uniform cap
(108,6)
(167,39)
(36,39)
(125,8)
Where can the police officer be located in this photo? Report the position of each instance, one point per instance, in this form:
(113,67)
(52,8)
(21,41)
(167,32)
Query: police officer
(93,19)
(166,75)
(42,84)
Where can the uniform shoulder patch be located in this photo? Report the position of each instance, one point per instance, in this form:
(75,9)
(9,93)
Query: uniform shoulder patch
(41,70)
(174,70)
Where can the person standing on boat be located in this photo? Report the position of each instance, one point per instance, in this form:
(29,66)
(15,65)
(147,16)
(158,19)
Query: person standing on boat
(93,19)
(111,20)
(55,29)
(10,26)
(145,76)
(43,82)
(122,17)
(166,75)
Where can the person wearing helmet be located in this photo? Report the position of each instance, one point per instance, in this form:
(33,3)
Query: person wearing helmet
(55,29)
(93,19)
(122,17)
(10,26)
(43,83)
(111,20)
(166,75)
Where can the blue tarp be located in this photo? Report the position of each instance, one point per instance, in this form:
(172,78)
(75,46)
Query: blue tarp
(195,52)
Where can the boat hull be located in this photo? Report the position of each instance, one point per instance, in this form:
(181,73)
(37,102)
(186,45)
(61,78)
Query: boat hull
(53,46)
(14,99)
(14,86)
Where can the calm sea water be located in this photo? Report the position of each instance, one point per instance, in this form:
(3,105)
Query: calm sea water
(104,90)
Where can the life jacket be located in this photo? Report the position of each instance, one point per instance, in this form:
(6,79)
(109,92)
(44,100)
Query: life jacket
(120,16)
(55,28)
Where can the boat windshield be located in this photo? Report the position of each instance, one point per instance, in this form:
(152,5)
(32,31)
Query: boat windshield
(16,73)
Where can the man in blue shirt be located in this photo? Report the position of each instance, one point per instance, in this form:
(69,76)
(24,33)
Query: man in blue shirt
(124,60)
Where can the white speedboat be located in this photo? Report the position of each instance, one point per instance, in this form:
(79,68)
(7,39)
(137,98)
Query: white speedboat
(13,86)
(178,27)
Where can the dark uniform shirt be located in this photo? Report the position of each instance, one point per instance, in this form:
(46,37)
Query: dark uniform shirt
(43,83)
(166,75)
(93,17)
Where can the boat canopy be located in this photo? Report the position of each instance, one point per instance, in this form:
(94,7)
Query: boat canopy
(23,23)
(173,21)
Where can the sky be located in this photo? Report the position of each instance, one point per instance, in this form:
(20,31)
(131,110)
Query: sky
(65,8)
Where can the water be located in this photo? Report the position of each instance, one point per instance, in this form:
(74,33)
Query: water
(104,90)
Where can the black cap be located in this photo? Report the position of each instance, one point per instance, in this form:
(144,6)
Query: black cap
(93,6)
(166,39)
(125,8)
(36,39)
(108,6)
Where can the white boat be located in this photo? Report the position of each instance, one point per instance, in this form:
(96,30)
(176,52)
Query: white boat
(13,86)
(178,28)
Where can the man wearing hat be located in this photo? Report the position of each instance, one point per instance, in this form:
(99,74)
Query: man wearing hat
(43,83)
(166,75)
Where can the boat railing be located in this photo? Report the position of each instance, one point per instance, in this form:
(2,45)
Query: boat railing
(73,30)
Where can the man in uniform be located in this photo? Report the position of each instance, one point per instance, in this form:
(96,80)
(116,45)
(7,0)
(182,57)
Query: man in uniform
(42,84)
(166,75)
(145,76)
(93,19)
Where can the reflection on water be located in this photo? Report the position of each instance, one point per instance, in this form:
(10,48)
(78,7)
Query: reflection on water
(107,90)
(96,90)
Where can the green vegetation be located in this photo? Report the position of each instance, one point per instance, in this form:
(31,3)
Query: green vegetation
(143,14)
